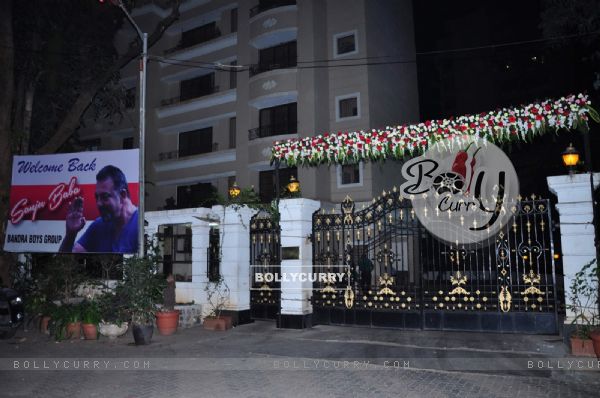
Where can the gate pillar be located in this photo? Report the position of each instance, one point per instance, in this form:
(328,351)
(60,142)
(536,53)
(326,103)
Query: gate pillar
(296,249)
(576,227)
(235,242)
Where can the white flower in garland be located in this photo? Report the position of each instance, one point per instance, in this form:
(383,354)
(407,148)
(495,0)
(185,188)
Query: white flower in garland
(499,126)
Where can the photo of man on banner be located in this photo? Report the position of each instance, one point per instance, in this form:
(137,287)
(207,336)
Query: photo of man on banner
(116,230)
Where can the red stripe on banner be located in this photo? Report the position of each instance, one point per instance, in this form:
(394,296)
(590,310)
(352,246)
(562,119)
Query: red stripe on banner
(50,202)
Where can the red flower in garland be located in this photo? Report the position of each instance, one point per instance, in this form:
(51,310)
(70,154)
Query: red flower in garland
(520,120)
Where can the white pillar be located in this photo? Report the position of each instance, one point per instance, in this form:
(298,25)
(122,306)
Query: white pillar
(195,290)
(576,228)
(234,231)
(296,227)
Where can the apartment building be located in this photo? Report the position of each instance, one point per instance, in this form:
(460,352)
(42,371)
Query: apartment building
(229,78)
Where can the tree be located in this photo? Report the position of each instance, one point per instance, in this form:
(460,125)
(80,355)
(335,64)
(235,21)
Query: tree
(57,55)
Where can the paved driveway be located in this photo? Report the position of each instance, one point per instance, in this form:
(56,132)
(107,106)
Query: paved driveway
(258,360)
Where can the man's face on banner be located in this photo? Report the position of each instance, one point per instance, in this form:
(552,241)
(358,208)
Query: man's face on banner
(108,200)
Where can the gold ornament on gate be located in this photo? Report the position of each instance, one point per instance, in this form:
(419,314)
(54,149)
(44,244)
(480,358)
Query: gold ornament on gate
(349,297)
(505,299)
(458,280)
(533,279)
(385,281)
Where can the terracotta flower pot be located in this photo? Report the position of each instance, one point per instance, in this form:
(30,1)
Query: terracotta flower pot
(74,330)
(582,347)
(44,324)
(167,322)
(228,321)
(595,336)
(214,323)
(90,331)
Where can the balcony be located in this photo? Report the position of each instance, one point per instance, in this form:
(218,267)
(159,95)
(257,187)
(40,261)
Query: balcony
(172,160)
(268,5)
(179,99)
(172,155)
(261,68)
(198,39)
(272,130)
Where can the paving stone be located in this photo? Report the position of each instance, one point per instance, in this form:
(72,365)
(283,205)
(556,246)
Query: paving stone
(261,340)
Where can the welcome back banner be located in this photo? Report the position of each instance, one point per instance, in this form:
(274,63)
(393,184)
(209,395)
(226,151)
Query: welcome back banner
(43,187)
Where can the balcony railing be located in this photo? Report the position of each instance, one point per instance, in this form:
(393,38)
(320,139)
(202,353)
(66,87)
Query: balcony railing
(269,5)
(213,34)
(170,155)
(176,100)
(272,130)
(260,68)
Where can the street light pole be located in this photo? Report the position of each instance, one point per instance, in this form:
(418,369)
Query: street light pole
(142,188)
(143,65)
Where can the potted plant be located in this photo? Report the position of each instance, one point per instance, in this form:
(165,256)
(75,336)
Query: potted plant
(66,322)
(167,318)
(141,289)
(217,295)
(40,310)
(74,321)
(113,315)
(90,317)
(584,305)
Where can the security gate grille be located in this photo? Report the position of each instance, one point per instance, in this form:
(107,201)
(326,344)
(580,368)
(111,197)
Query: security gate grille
(398,275)
(265,257)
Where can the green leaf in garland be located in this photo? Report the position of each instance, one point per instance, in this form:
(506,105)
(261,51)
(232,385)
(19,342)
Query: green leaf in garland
(593,113)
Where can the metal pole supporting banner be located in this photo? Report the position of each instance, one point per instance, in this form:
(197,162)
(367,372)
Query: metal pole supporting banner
(143,64)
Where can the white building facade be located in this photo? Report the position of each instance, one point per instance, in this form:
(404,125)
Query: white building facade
(229,78)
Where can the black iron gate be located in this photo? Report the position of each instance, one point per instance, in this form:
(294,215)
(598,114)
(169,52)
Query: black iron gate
(400,276)
(265,258)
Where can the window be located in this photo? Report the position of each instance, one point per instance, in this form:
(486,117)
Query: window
(128,143)
(197,195)
(345,44)
(197,87)
(199,35)
(232,132)
(267,186)
(233,75)
(349,175)
(277,57)
(234,20)
(348,106)
(264,5)
(175,244)
(195,142)
(277,120)
(214,256)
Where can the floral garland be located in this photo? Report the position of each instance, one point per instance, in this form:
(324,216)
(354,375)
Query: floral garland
(500,126)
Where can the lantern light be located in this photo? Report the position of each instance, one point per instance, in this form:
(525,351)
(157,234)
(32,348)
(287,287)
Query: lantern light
(570,158)
(234,190)
(293,186)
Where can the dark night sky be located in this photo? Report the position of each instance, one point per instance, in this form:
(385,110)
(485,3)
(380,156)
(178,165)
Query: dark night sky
(456,83)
